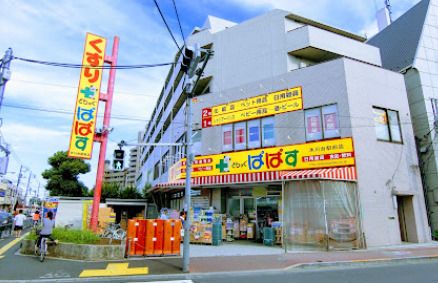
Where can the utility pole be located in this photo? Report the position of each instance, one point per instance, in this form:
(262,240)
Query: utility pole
(27,187)
(5,72)
(194,56)
(15,196)
(103,137)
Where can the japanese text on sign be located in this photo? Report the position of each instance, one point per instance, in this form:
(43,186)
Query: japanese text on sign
(254,107)
(87,101)
(323,154)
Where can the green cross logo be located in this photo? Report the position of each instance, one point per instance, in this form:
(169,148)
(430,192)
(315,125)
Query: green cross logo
(223,164)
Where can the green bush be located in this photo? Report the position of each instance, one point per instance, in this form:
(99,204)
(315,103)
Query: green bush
(70,236)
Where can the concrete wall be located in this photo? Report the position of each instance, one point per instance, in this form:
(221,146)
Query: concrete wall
(246,58)
(69,212)
(79,252)
(309,36)
(384,169)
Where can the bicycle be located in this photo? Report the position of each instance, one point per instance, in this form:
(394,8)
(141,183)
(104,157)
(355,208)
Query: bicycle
(41,251)
(114,231)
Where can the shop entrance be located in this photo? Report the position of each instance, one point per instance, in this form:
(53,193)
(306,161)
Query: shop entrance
(257,213)
(406,219)
(238,206)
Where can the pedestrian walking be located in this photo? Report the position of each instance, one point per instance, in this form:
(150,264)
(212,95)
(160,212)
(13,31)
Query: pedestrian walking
(19,222)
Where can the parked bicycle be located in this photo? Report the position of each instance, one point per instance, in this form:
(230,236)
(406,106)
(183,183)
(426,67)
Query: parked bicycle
(114,231)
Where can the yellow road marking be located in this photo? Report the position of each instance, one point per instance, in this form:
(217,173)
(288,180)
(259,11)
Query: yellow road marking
(115,269)
(11,244)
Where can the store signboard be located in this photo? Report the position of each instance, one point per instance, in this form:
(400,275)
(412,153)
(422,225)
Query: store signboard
(282,101)
(50,204)
(321,154)
(87,100)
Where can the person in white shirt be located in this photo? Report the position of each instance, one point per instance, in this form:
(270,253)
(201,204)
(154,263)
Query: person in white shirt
(19,222)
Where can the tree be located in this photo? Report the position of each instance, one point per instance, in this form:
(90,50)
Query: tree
(109,190)
(63,176)
(130,193)
(145,192)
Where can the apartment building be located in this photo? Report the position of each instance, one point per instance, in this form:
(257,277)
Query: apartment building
(295,122)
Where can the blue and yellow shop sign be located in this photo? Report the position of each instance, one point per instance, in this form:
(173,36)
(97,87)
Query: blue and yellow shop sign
(87,100)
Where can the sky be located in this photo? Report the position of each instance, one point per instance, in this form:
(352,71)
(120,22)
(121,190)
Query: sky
(39,100)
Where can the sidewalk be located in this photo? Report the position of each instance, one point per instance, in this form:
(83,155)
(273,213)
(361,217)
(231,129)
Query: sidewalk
(241,258)
(280,260)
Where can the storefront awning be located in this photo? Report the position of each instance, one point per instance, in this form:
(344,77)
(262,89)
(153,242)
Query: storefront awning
(224,180)
(340,173)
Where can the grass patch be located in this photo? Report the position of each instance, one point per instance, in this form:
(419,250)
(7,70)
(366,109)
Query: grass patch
(70,236)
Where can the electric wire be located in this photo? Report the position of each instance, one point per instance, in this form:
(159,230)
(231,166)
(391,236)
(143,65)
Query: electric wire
(79,66)
(167,26)
(75,87)
(68,112)
(63,111)
(179,22)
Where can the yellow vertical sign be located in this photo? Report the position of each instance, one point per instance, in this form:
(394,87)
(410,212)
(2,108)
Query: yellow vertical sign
(87,100)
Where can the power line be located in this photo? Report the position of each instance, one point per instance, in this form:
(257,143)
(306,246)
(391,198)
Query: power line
(68,112)
(179,23)
(75,87)
(62,111)
(167,26)
(79,66)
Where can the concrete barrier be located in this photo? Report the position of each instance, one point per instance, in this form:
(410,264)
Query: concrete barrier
(78,251)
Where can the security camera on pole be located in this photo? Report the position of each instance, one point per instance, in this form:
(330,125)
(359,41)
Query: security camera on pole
(190,60)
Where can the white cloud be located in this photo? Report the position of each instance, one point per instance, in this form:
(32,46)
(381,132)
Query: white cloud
(55,31)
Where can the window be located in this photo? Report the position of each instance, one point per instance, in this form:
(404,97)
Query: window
(268,131)
(157,170)
(313,124)
(180,150)
(435,111)
(240,136)
(330,121)
(254,134)
(387,125)
(227,137)
(165,162)
(322,123)
(196,142)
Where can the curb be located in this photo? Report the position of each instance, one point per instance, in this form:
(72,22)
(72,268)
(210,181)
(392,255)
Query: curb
(300,267)
(358,262)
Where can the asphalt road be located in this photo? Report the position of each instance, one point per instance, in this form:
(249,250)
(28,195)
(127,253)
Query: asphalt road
(28,268)
(414,272)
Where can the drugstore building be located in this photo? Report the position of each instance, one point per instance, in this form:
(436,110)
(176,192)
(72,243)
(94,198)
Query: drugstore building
(295,123)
